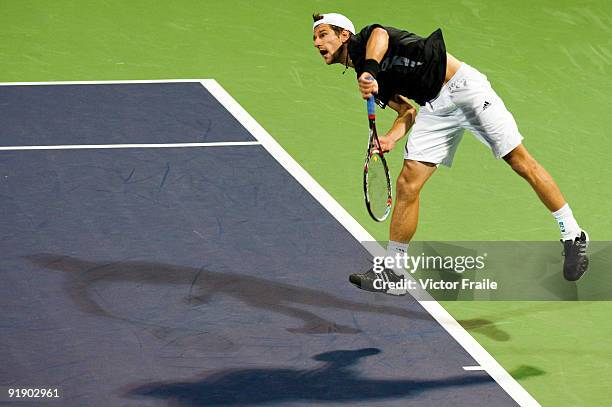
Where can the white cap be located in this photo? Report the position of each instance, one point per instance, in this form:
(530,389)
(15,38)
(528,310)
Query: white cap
(335,19)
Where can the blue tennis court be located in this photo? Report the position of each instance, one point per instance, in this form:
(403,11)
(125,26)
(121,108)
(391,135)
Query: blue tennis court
(154,251)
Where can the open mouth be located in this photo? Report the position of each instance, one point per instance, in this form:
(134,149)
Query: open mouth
(323,52)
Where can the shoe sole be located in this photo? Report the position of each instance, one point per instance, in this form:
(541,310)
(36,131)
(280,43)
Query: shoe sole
(393,292)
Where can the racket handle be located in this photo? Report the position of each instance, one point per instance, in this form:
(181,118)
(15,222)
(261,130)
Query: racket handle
(371,108)
(371,104)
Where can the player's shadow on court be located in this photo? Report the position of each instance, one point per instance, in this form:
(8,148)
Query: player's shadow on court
(335,380)
(202,285)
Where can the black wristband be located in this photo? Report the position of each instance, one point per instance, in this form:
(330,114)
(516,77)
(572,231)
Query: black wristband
(372,66)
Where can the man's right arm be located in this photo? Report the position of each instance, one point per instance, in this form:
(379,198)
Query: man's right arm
(376,48)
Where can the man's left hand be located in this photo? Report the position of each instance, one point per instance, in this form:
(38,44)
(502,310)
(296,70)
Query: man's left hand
(386,144)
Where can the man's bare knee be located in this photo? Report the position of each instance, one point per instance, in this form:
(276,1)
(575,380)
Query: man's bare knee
(522,163)
(525,168)
(412,178)
(407,189)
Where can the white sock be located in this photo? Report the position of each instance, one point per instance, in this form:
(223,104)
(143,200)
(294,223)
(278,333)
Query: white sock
(567,224)
(393,248)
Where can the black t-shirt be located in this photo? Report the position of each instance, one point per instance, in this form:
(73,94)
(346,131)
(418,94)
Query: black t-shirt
(413,66)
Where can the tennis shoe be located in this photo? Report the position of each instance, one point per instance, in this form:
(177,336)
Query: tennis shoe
(384,282)
(576,261)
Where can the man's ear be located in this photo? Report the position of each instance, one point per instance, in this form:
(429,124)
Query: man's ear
(345,35)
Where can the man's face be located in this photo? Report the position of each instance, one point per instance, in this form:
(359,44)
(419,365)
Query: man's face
(328,43)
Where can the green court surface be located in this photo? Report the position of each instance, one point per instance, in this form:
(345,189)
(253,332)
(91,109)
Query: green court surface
(551,62)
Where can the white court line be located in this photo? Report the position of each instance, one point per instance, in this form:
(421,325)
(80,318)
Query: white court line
(470,368)
(118,82)
(112,146)
(484,359)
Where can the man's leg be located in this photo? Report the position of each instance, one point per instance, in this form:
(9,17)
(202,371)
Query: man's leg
(540,180)
(575,240)
(405,214)
(486,116)
(404,221)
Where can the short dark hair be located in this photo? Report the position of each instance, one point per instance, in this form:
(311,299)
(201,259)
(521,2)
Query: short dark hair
(338,30)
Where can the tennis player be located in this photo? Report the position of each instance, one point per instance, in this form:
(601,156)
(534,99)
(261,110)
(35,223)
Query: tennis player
(453,96)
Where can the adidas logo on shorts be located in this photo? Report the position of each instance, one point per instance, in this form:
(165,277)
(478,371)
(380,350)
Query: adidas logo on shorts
(486,104)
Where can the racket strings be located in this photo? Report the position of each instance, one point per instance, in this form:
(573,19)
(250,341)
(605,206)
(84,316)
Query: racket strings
(377,185)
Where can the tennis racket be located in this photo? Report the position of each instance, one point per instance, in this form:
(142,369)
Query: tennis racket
(376,180)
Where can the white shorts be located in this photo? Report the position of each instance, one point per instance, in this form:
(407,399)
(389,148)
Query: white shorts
(469,102)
